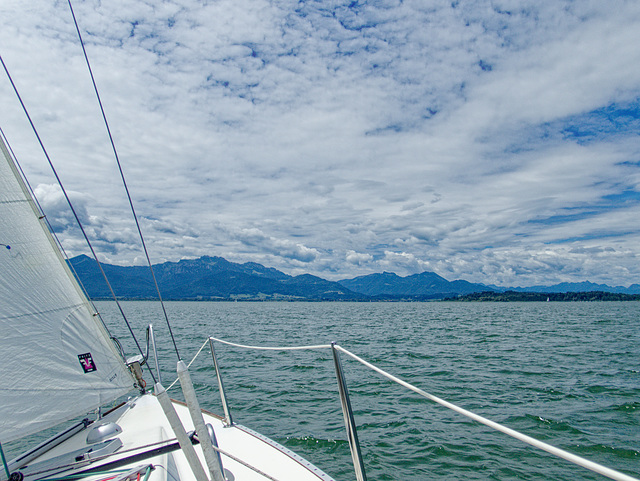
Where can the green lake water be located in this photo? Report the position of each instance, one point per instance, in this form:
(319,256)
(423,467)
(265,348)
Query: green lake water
(565,373)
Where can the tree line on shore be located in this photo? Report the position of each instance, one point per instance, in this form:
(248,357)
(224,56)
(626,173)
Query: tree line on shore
(513,296)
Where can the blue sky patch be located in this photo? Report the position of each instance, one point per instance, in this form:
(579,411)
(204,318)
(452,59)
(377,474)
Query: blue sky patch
(604,124)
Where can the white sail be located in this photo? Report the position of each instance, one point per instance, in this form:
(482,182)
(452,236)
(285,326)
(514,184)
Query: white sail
(57,361)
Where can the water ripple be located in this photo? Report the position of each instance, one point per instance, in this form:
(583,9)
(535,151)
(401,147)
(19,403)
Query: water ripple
(566,373)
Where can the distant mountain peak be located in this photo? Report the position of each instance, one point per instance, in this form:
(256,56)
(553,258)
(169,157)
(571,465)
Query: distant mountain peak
(430,275)
(212,277)
(207,278)
(423,285)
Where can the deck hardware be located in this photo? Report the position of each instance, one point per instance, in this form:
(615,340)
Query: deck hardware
(103,432)
(134,364)
(79,457)
(48,444)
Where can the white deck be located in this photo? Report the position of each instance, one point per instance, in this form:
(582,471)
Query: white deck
(143,423)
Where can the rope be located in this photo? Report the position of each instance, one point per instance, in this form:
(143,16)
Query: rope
(189,365)
(93,473)
(4,462)
(148,473)
(169,475)
(585,463)
(124,182)
(264,348)
(259,348)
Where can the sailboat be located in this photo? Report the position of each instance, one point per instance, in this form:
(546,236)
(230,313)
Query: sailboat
(59,363)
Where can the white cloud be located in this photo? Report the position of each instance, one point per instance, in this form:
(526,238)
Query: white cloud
(280,247)
(461,137)
(402,262)
(358,258)
(56,208)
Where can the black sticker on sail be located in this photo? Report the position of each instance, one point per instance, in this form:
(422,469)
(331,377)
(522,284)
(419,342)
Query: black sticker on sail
(86,361)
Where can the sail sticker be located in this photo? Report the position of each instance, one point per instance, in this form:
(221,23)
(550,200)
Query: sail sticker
(86,361)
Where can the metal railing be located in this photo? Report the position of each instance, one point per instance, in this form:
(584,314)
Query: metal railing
(350,424)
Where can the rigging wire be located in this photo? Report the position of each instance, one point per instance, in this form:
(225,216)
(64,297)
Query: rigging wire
(73,210)
(124,182)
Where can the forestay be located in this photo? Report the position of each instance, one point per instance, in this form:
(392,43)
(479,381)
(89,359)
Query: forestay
(57,359)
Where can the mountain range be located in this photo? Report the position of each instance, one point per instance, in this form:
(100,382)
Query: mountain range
(206,278)
(215,278)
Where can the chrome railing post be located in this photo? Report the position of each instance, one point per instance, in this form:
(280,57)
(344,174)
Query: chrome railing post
(223,397)
(349,421)
(155,352)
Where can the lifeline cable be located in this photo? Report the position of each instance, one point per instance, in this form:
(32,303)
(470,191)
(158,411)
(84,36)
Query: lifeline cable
(124,182)
(258,348)
(73,210)
(561,453)
(267,348)
(575,459)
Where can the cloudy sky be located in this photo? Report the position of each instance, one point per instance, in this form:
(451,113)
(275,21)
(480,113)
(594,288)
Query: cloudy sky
(493,141)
